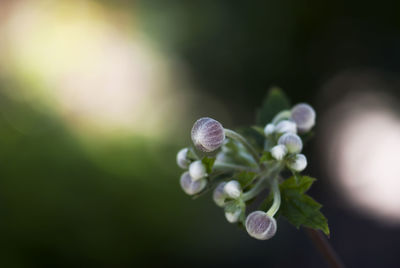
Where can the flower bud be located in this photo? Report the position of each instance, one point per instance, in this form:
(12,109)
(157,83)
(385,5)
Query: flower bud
(207,134)
(233,217)
(279,151)
(197,170)
(299,163)
(286,126)
(269,129)
(190,186)
(292,142)
(233,189)
(182,159)
(304,117)
(260,226)
(219,194)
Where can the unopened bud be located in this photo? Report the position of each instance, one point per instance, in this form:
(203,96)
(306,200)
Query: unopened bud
(299,163)
(233,217)
(197,170)
(279,151)
(286,126)
(182,159)
(207,134)
(304,116)
(233,189)
(260,226)
(190,186)
(292,142)
(219,194)
(269,129)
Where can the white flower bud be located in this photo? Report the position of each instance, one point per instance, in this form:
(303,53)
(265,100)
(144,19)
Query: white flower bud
(304,117)
(197,170)
(260,226)
(269,129)
(299,163)
(181,158)
(286,126)
(190,186)
(207,134)
(279,151)
(233,189)
(233,217)
(219,194)
(292,142)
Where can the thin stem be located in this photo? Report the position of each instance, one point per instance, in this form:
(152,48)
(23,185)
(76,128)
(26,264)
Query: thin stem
(236,136)
(221,165)
(277,198)
(281,116)
(325,248)
(258,187)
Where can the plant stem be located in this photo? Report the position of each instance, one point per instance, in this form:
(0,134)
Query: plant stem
(325,248)
(221,165)
(277,198)
(236,136)
(258,187)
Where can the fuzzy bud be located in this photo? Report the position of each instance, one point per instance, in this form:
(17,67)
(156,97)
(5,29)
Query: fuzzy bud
(269,129)
(304,116)
(260,226)
(182,159)
(233,217)
(190,186)
(197,170)
(219,194)
(292,142)
(286,126)
(207,134)
(233,189)
(299,163)
(279,151)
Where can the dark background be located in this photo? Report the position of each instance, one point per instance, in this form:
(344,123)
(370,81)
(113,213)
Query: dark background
(60,209)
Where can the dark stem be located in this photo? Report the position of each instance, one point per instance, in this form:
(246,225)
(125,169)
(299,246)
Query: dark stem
(325,248)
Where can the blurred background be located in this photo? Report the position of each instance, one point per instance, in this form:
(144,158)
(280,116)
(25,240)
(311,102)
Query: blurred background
(96,98)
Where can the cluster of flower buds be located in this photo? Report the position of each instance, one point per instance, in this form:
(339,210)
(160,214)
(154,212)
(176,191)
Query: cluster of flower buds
(283,143)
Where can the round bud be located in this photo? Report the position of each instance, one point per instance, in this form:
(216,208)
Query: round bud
(269,129)
(207,134)
(219,194)
(292,142)
(233,189)
(299,163)
(233,217)
(279,151)
(304,117)
(286,126)
(181,158)
(260,226)
(197,170)
(190,186)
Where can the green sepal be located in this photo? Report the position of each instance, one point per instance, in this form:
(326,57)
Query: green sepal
(208,163)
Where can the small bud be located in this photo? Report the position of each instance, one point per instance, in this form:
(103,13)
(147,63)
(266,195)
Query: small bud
(233,189)
(197,170)
(219,194)
(269,129)
(292,142)
(207,134)
(304,116)
(299,163)
(260,226)
(181,158)
(233,217)
(286,126)
(190,186)
(279,151)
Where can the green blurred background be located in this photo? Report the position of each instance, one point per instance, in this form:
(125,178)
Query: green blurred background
(96,98)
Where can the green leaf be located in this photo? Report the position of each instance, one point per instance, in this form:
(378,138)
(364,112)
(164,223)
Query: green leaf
(209,163)
(253,136)
(275,102)
(297,207)
(245,178)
